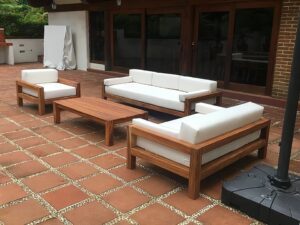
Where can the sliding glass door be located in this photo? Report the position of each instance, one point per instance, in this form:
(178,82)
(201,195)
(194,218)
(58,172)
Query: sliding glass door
(163,42)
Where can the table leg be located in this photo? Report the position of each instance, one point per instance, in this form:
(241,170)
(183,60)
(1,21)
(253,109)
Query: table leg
(109,131)
(56,113)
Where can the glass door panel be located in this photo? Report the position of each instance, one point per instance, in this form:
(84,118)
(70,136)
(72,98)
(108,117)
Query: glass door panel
(211,45)
(163,36)
(127,40)
(251,46)
(96,36)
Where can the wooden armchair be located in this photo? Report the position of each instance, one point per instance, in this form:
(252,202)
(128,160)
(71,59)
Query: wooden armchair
(42,86)
(194,153)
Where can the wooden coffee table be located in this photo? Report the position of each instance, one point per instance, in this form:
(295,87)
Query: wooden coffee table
(103,111)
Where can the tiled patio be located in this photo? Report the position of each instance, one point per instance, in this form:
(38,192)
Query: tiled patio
(65,174)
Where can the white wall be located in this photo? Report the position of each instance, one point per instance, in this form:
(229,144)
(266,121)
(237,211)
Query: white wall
(78,22)
(27,50)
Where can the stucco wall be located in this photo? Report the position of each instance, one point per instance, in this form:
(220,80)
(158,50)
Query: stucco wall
(78,22)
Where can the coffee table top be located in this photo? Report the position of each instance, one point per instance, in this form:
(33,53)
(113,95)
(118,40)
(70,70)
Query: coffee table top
(100,108)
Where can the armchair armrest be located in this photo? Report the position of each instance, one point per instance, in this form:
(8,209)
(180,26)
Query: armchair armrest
(205,108)
(117,80)
(71,83)
(23,84)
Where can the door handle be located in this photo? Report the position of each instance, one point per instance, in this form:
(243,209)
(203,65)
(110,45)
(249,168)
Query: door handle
(194,43)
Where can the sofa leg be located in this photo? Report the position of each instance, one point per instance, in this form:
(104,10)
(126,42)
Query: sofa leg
(20,101)
(131,161)
(195,175)
(41,108)
(262,153)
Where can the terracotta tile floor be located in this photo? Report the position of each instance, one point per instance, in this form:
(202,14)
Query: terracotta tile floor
(64,174)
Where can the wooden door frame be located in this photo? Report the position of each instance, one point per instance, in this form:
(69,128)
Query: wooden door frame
(111,28)
(231,7)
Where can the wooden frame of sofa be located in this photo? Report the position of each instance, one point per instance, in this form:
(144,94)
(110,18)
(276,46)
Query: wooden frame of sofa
(187,103)
(40,100)
(196,172)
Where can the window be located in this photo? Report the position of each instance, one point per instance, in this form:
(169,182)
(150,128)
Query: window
(97,37)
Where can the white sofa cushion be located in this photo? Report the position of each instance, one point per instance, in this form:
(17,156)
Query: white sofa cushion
(183,96)
(40,76)
(149,94)
(219,122)
(155,127)
(165,80)
(204,108)
(53,90)
(184,158)
(189,84)
(141,76)
(117,80)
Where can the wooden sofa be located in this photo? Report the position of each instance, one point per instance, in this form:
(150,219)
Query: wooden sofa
(168,93)
(197,146)
(42,86)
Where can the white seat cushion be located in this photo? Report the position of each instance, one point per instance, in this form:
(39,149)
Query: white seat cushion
(53,90)
(40,76)
(167,98)
(141,76)
(165,80)
(189,84)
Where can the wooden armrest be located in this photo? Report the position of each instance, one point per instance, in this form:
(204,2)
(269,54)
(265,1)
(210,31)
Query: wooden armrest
(25,84)
(161,138)
(68,82)
(205,146)
(205,96)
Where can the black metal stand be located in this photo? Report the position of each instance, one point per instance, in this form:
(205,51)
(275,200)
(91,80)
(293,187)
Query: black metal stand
(264,193)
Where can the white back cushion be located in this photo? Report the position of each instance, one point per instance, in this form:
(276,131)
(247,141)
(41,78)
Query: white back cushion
(165,80)
(189,84)
(219,122)
(40,76)
(141,76)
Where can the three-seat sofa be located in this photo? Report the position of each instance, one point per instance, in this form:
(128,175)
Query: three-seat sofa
(169,93)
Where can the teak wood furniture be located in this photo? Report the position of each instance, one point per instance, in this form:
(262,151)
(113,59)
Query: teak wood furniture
(36,84)
(168,93)
(106,112)
(195,169)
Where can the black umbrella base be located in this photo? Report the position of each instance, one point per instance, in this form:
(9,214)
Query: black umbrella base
(252,193)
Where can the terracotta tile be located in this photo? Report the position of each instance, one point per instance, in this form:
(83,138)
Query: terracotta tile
(9,127)
(88,151)
(122,222)
(30,142)
(44,150)
(94,137)
(26,169)
(130,199)
(21,118)
(100,183)
(108,161)
(118,144)
(78,170)
(7,147)
(13,158)
(225,217)
(212,186)
(157,214)
(181,201)
(57,136)
(18,134)
(156,185)
(2,140)
(123,152)
(53,221)
(64,197)
(72,143)
(4,178)
(46,130)
(128,174)
(60,159)
(31,210)
(11,192)
(33,123)
(91,213)
(44,181)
